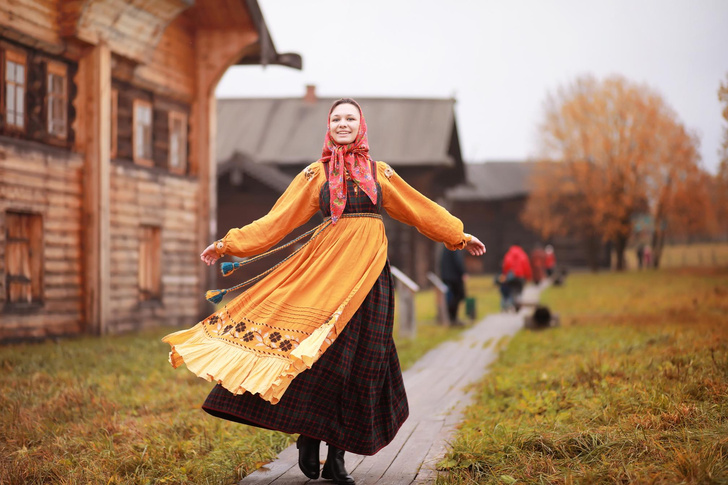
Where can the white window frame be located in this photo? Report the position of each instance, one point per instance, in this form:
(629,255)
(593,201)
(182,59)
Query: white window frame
(143,145)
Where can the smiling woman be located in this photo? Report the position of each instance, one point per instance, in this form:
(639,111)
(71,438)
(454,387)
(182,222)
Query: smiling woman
(344,122)
(309,348)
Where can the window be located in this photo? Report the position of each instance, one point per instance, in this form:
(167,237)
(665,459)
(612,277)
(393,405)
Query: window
(15,68)
(57,100)
(177,142)
(150,264)
(142,132)
(114,121)
(23,258)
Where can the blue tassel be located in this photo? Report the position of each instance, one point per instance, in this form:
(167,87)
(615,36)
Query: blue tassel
(215,296)
(228,268)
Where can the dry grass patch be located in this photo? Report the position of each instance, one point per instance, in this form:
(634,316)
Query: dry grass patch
(632,388)
(112,410)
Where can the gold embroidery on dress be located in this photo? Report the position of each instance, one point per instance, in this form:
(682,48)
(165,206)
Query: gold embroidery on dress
(309,173)
(388,172)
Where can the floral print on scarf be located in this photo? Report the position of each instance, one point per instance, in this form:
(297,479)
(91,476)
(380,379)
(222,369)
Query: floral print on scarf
(352,159)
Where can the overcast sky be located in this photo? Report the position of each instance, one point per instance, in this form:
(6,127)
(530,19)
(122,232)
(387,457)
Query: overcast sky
(498,59)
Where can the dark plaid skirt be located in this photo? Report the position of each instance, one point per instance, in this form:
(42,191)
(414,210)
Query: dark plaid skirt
(352,398)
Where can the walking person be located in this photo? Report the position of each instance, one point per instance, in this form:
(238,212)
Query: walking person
(515,272)
(550,261)
(452,272)
(309,348)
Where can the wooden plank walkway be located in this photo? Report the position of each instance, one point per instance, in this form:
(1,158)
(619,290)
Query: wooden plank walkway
(437,391)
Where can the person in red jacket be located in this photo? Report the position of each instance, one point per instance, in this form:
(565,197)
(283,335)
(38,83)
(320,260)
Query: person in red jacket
(550,261)
(515,272)
(538,258)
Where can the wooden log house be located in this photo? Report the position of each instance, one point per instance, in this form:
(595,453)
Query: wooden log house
(418,137)
(490,204)
(107,172)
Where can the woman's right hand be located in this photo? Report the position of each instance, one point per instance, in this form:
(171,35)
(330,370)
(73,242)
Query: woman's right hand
(475,247)
(209,255)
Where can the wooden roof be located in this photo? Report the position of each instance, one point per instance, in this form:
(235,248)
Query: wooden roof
(266,174)
(290,131)
(132,29)
(264,52)
(494,180)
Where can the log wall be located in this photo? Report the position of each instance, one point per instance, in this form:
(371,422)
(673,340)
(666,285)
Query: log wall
(167,53)
(47,181)
(497,223)
(37,19)
(142,196)
(172,63)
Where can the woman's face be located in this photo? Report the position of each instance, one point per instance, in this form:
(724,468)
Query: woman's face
(344,123)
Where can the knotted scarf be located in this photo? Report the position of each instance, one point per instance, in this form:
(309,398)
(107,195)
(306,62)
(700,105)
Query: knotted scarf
(352,158)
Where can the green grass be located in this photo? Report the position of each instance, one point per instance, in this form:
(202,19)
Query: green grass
(685,255)
(112,410)
(632,388)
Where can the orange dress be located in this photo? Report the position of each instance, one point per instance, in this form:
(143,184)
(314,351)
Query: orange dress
(261,340)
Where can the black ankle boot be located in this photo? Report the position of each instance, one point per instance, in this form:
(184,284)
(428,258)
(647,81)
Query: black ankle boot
(334,468)
(308,456)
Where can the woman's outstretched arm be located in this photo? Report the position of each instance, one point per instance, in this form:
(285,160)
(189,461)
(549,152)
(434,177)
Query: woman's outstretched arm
(296,206)
(406,204)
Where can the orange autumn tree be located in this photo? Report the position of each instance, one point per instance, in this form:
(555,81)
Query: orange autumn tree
(676,185)
(720,199)
(618,150)
(723,98)
(720,192)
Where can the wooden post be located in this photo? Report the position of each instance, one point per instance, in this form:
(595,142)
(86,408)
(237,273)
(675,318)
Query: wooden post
(406,289)
(440,298)
(216,51)
(94,82)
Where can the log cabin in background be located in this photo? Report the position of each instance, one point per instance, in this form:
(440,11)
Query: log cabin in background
(490,205)
(264,142)
(106,170)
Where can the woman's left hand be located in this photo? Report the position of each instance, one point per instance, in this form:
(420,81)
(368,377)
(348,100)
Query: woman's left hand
(475,247)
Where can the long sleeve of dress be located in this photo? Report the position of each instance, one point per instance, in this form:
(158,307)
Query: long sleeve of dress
(295,207)
(407,205)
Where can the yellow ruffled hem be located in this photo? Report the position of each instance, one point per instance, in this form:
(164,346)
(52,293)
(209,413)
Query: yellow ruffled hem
(239,369)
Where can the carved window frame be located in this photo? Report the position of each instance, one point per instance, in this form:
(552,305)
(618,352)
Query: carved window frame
(57,99)
(142,139)
(24,265)
(114,125)
(13,59)
(150,263)
(177,159)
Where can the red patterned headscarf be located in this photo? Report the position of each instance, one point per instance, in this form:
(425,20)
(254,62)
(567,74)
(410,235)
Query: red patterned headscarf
(352,158)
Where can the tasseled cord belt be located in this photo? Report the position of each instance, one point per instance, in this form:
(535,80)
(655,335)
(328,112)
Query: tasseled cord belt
(216,296)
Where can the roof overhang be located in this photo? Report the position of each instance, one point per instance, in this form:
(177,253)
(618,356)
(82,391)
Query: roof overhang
(263,52)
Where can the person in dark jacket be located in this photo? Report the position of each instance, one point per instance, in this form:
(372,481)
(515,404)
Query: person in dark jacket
(452,272)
